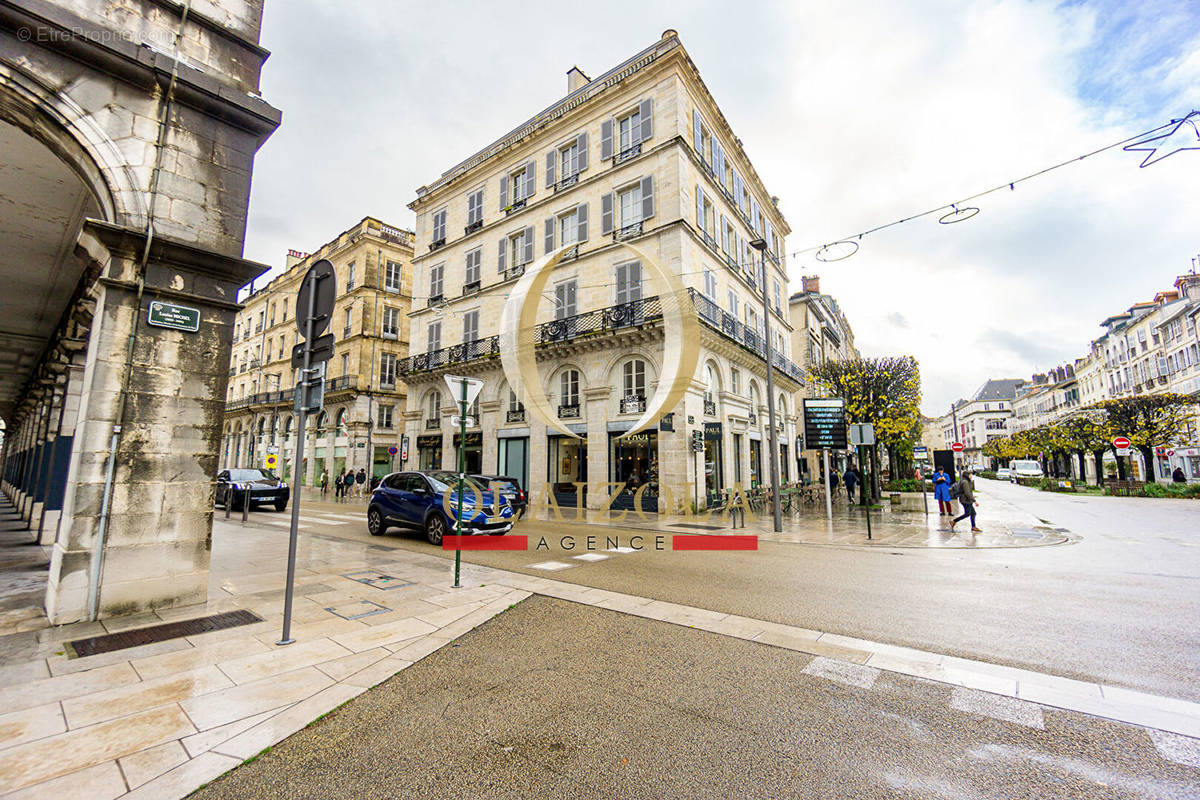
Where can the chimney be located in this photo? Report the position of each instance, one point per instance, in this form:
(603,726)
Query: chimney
(812,284)
(576,79)
(1189,286)
(294,257)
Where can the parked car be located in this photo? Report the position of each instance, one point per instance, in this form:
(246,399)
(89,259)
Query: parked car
(1025,469)
(1004,474)
(264,486)
(510,489)
(415,500)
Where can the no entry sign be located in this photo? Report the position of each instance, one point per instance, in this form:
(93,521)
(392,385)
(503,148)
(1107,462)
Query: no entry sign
(1120,442)
(958,447)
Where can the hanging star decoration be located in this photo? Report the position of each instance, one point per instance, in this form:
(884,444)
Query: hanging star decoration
(1183,135)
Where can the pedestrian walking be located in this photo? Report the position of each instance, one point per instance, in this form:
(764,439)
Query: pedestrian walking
(851,479)
(1177,476)
(964,490)
(339,486)
(324,483)
(941,492)
(361,481)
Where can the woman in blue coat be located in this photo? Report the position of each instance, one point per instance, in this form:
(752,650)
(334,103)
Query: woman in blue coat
(941,491)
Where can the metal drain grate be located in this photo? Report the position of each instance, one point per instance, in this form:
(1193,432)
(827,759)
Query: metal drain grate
(161,633)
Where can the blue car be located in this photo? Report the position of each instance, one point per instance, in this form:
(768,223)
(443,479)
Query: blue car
(414,500)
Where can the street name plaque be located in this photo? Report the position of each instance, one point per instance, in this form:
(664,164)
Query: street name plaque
(825,423)
(176,317)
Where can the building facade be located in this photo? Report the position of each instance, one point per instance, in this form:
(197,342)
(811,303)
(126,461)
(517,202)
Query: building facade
(128,132)
(364,399)
(639,156)
(986,415)
(820,333)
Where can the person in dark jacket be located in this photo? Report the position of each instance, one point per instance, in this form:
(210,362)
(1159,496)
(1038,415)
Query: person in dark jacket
(966,496)
(339,487)
(851,479)
(361,480)
(1177,476)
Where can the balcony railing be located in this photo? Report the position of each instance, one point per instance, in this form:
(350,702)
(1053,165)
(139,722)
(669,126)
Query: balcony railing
(349,284)
(516,206)
(473,286)
(435,299)
(263,399)
(515,416)
(627,153)
(732,328)
(472,227)
(753,418)
(567,182)
(346,332)
(627,232)
(710,408)
(514,272)
(433,424)
(346,383)
(568,412)
(439,243)
(633,404)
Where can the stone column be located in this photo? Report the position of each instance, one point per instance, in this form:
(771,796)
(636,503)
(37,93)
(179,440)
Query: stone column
(598,406)
(157,531)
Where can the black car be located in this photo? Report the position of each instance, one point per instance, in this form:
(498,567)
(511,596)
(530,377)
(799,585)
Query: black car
(421,500)
(264,487)
(510,490)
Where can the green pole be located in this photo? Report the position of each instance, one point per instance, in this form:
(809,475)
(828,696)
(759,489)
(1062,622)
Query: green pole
(462,468)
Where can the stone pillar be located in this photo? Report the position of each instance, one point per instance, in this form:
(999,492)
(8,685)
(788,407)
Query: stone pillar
(539,452)
(597,407)
(491,415)
(157,533)
(52,414)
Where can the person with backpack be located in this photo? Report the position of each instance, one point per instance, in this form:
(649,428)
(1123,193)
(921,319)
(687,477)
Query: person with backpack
(941,492)
(361,481)
(964,493)
(851,479)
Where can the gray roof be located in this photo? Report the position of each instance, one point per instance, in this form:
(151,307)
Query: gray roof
(999,389)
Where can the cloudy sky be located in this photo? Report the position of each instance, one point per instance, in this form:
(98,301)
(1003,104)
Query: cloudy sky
(855,114)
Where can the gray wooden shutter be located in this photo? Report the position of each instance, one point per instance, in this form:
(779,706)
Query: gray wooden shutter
(606,139)
(530,173)
(549,234)
(737,190)
(696,134)
(699,207)
(606,213)
(582,217)
(646,113)
(581,143)
(719,162)
(503,252)
(724,235)
(528,244)
(503,192)
(648,197)
(550,159)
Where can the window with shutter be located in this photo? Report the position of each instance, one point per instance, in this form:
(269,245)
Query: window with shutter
(471,275)
(564,299)
(439,228)
(436,274)
(501,264)
(568,228)
(606,213)
(581,230)
(470,327)
(433,336)
(474,211)
(391,281)
(606,139)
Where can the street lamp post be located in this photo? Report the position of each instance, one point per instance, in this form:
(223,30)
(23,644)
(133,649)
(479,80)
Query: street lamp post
(760,245)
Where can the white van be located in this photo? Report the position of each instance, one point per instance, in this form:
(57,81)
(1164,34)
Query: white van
(1025,469)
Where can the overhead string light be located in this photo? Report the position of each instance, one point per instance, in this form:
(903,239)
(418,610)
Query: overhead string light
(1165,140)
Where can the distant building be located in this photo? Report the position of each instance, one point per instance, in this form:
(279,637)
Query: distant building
(979,419)
(364,400)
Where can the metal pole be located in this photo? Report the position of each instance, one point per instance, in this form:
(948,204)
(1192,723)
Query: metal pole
(864,496)
(462,468)
(828,485)
(302,424)
(924,497)
(774,439)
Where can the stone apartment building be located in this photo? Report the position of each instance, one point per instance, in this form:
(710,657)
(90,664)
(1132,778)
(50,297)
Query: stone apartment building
(1047,398)
(364,398)
(820,333)
(128,132)
(640,155)
(985,415)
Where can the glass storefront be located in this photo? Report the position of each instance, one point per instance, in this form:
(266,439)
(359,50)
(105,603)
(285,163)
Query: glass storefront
(472,452)
(429,452)
(714,472)
(784,465)
(737,458)
(755,462)
(566,465)
(514,460)
(381,464)
(633,461)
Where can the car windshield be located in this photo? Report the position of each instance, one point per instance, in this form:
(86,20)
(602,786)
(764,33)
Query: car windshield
(1027,465)
(238,475)
(504,484)
(441,481)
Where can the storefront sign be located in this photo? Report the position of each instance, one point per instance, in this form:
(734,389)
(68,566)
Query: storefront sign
(825,423)
(698,441)
(667,423)
(712,431)
(429,441)
(637,438)
(474,439)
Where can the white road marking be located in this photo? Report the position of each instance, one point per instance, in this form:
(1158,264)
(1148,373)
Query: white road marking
(551,566)
(283,523)
(621,550)
(590,557)
(842,672)
(1173,747)
(348,517)
(1006,709)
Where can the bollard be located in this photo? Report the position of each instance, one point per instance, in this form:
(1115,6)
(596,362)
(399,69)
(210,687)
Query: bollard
(245,504)
(228,501)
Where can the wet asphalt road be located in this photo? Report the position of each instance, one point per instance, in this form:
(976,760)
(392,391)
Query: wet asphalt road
(554,699)
(1121,606)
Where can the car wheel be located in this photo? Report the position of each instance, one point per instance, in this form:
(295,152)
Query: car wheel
(281,505)
(375,525)
(435,529)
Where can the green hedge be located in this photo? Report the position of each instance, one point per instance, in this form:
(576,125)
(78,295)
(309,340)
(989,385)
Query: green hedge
(1171,490)
(906,485)
(986,473)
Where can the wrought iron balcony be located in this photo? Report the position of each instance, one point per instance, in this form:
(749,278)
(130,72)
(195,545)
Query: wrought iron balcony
(473,286)
(627,232)
(567,182)
(258,328)
(439,243)
(569,254)
(732,328)
(568,412)
(472,227)
(435,299)
(710,408)
(633,404)
(433,424)
(346,332)
(346,383)
(753,418)
(516,206)
(515,416)
(627,153)
(349,284)
(514,272)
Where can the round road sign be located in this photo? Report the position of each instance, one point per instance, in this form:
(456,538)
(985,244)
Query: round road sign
(1120,442)
(392,451)
(321,276)
(271,461)
(958,447)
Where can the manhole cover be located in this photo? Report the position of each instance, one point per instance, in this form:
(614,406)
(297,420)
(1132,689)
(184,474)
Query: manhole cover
(161,633)
(378,580)
(363,608)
